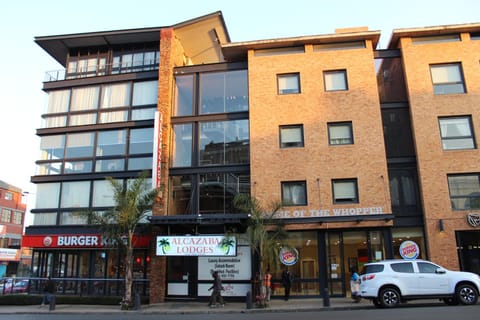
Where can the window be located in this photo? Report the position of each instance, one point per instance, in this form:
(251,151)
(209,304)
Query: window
(6,215)
(145,93)
(288,83)
(339,46)
(403,267)
(436,39)
(183,105)
(279,51)
(340,133)
(294,193)
(84,98)
(222,92)
(111,143)
(116,95)
(102,194)
(464,191)
(79,145)
(52,147)
(58,101)
(8,196)
(217,191)
(345,191)
(335,80)
(47,195)
(17,217)
(75,194)
(456,133)
(447,78)
(141,141)
(291,136)
(182,145)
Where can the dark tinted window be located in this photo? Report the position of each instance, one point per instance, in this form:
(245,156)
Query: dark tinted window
(373,268)
(404,267)
(425,267)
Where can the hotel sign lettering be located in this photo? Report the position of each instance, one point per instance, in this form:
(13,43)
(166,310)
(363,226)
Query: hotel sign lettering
(340,212)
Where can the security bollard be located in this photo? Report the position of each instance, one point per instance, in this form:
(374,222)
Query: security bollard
(249,300)
(137,301)
(51,304)
(326,298)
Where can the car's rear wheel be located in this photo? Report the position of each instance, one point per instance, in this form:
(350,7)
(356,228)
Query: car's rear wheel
(467,294)
(389,297)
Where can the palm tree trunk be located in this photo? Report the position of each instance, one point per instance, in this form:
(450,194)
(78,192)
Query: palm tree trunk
(128,270)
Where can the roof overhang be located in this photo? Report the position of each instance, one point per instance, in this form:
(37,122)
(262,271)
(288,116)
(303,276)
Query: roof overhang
(397,34)
(239,50)
(201,219)
(197,31)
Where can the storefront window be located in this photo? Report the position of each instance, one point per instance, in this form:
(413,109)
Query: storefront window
(401,235)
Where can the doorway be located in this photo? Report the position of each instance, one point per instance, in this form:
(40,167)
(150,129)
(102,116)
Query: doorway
(468,243)
(182,276)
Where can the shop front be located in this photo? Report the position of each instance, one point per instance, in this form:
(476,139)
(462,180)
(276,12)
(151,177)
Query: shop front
(85,264)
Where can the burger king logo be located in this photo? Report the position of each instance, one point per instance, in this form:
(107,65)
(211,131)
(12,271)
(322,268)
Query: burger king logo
(288,256)
(409,250)
(47,241)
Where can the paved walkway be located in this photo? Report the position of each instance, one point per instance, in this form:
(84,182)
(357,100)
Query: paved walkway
(188,307)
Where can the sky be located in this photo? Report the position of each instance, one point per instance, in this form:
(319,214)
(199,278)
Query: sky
(23,63)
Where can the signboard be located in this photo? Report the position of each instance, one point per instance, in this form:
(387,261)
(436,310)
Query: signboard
(337,212)
(196,246)
(409,250)
(9,254)
(229,268)
(77,241)
(288,256)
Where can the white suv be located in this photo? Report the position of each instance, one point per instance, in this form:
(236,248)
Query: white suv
(389,282)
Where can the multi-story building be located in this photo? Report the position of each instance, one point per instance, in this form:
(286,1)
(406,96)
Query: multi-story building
(12,208)
(372,152)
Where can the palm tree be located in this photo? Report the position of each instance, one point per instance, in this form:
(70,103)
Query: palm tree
(132,204)
(266,235)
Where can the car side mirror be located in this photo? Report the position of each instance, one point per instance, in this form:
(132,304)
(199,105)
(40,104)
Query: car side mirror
(440,271)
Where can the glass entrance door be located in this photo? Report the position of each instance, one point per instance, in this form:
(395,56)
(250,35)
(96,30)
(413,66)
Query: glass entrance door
(469,252)
(182,276)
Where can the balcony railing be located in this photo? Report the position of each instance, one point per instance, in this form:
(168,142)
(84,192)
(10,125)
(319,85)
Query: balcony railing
(98,71)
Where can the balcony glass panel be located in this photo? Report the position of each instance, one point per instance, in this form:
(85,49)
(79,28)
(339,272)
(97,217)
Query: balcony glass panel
(79,145)
(52,147)
(182,145)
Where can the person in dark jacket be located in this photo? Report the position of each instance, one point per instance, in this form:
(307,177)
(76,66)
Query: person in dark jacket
(49,290)
(217,291)
(287,279)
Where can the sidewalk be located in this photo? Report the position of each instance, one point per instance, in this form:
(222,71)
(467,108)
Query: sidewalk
(189,307)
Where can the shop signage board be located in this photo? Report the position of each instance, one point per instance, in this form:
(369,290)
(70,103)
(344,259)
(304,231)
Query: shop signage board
(196,246)
(77,241)
(337,212)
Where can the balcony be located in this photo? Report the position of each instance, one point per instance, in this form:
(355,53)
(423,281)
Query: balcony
(99,70)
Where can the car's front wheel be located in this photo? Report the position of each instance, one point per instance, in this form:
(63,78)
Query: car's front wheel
(467,294)
(389,297)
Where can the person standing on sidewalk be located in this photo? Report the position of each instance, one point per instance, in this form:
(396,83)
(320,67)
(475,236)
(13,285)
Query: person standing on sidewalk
(268,285)
(49,290)
(217,291)
(287,279)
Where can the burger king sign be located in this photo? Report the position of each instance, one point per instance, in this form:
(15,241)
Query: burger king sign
(288,256)
(409,250)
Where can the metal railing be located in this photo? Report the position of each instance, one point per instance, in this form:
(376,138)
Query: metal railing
(99,70)
(73,286)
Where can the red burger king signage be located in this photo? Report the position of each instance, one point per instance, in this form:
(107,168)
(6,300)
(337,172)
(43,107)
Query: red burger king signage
(76,241)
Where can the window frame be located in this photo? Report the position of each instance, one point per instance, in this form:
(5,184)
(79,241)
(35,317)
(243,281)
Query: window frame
(347,124)
(456,195)
(439,87)
(297,144)
(444,137)
(328,83)
(354,199)
(286,91)
(301,183)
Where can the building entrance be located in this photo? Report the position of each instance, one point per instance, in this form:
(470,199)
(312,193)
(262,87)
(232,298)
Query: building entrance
(468,243)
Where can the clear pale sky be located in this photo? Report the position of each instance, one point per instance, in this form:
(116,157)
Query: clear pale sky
(23,64)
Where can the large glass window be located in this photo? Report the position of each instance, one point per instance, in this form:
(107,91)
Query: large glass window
(217,191)
(75,194)
(456,133)
(58,101)
(142,163)
(294,193)
(291,136)
(400,235)
(116,95)
(141,141)
(78,166)
(447,78)
(335,80)
(52,147)
(223,92)
(102,194)
(145,93)
(111,143)
(464,191)
(79,145)
(224,142)
(180,198)
(288,83)
(340,133)
(48,195)
(345,191)
(54,122)
(183,105)
(109,165)
(85,98)
(182,145)
(82,119)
